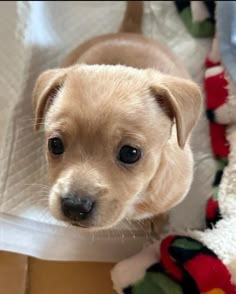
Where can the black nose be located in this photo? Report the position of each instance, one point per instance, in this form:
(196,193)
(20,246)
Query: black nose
(76,208)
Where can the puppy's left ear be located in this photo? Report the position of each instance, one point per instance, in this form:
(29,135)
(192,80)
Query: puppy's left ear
(181,99)
(45,90)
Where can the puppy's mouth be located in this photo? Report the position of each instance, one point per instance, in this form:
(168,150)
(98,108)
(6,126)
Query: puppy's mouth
(89,226)
(91,223)
(80,225)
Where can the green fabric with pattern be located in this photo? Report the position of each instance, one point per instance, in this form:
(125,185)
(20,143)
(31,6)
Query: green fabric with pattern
(200,29)
(154,283)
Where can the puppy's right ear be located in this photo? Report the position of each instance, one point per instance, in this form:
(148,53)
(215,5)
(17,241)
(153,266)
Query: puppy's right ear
(45,90)
(182,101)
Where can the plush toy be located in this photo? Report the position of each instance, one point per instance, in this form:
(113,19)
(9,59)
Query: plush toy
(220,110)
(183,266)
(216,106)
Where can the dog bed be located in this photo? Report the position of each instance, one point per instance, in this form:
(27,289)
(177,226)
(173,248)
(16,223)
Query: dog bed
(37,35)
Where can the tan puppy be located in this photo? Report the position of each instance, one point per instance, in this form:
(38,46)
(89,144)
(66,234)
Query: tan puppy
(118,118)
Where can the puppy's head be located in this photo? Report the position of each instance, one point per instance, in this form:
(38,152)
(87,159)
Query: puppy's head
(106,128)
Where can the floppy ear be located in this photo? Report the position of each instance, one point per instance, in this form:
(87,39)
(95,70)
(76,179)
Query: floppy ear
(46,88)
(182,101)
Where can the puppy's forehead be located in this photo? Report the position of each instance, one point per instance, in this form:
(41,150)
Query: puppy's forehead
(101,84)
(92,91)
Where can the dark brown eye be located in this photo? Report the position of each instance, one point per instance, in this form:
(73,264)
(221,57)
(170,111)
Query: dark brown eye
(129,154)
(55,146)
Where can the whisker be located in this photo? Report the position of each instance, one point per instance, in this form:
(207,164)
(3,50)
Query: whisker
(141,227)
(126,223)
(37,184)
(29,119)
(28,127)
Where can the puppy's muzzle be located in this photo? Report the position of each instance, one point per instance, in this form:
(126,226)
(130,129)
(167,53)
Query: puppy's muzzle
(77,208)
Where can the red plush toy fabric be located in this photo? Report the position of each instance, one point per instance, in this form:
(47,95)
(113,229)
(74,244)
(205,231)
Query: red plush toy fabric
(216,96)
(216,92)
(210,63)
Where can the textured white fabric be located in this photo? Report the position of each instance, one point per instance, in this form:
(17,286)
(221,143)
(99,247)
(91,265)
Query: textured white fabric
(36,36)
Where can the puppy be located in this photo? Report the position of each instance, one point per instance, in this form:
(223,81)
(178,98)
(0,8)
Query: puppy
(118,117)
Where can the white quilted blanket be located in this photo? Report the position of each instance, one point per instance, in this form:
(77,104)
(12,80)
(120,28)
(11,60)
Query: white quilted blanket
(36,36)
